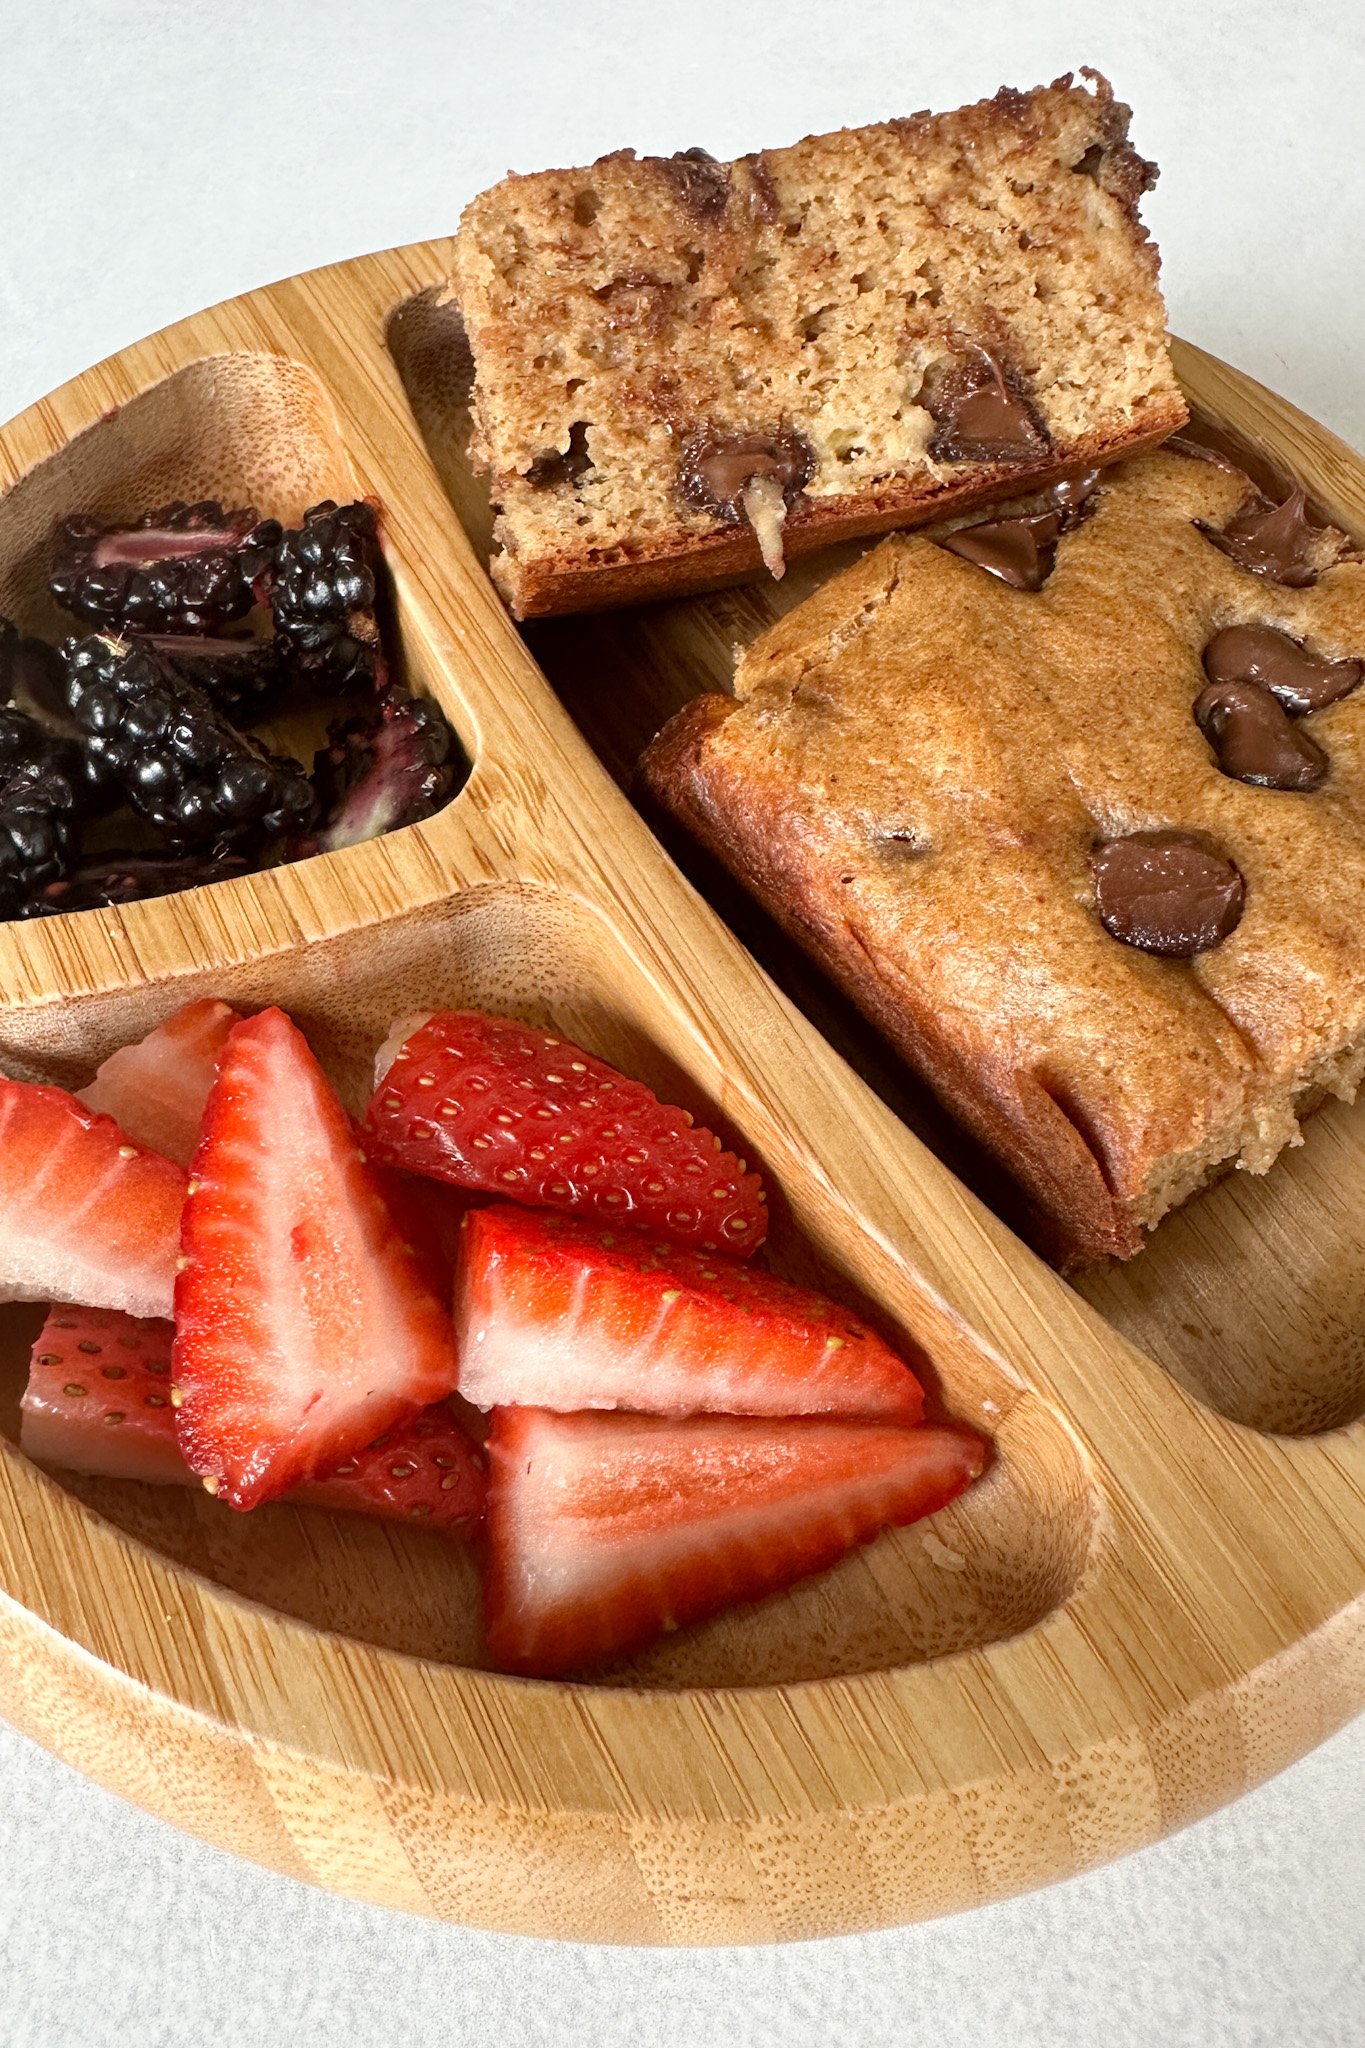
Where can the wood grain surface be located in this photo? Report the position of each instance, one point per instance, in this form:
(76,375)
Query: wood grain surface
(1154,1600)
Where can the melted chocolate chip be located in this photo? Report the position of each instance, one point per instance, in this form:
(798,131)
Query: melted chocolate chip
(982,413)
(1303,682)
(562,466)
(1072,494)
(636,298)
(1021,550)
(716,468)
(1165,892)
(702,184)
(1254,740)
(1278,542)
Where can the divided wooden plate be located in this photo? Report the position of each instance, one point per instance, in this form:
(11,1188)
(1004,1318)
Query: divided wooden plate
(1156,1598)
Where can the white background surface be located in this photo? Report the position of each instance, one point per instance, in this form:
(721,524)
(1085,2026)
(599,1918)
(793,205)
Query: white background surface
(158,155)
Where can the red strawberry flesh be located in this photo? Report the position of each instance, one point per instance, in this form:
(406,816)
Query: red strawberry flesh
(99,1397)
(551,1312)
(428,1217)
(304,1328)
(98,1400)
(606,1530)
(504,1108)
(157,1088)
(86,1214)
(424,1470)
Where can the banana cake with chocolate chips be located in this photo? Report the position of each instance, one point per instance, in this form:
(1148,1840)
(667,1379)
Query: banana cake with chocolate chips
(684,367)
(1073,804)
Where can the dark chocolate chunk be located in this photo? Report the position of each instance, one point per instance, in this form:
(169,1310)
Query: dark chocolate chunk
(716,468)
(1021,550)
(637,298)
(702,184)
(1167,893)
(1254,740)
(1303,682)
(1278,542)
(562,465)
(982,412)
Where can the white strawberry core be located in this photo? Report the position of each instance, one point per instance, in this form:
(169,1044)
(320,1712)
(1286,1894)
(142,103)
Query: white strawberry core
(399,1034)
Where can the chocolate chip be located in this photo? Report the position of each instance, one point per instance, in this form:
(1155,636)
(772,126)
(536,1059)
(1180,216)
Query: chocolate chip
(636,298)
(1303,682)
(1072,495)
(716,468)
(1166,893)
(701,183)
(1254,740)
(1021,550)
(981,412)
(1278,542)
(562,466)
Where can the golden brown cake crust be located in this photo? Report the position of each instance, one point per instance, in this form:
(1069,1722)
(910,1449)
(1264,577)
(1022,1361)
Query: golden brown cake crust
(822,296)
(913,775)
(676,567)
(1009,1113)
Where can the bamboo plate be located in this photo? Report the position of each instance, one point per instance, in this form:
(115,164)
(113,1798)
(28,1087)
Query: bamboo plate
(1155,1599)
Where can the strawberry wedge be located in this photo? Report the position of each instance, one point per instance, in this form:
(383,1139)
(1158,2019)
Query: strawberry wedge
(304,1327)
(156,1089)
(554,1313)
(500,1108)
(86,1214)
(98,1397)
(428,1217)
(98,1400)
(606,1530)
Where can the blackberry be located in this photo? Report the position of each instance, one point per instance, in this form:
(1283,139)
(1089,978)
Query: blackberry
(180,569)
(39,809)
(323,586)
(33,680)
(180,763)
(243,678)
(385,769)
(125,877)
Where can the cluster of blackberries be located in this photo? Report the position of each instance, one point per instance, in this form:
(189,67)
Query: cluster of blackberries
(205,618)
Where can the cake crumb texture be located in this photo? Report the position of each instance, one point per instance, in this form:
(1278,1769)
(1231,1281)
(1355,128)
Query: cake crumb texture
(833,302)
(914,773)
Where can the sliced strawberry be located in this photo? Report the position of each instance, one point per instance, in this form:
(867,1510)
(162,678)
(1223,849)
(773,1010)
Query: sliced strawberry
(551,1312)
(99,1397)
(496,1106)
(424,1470)
(304,1328)
(85,1213)
(428,1217)
(156,1089)
(98,1400)
(605,1530)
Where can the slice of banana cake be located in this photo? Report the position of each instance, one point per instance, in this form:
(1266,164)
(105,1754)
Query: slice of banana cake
(684,368)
